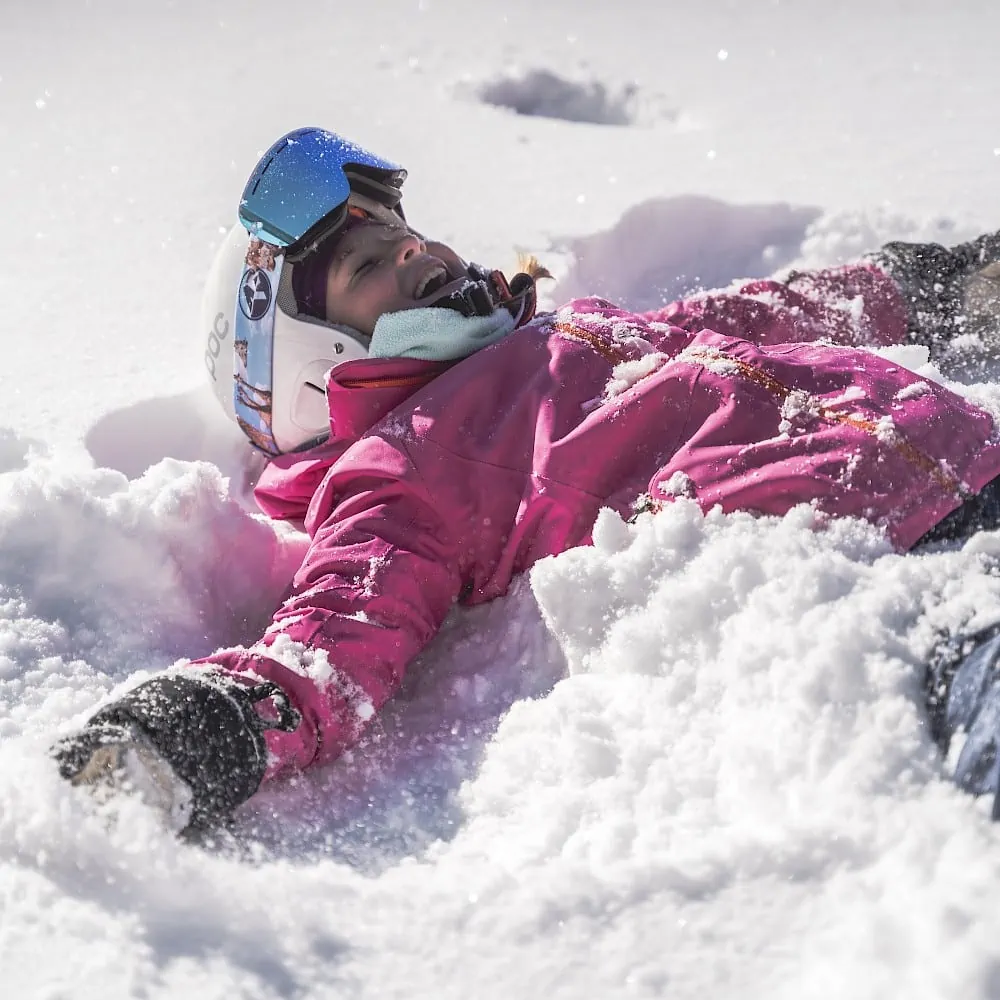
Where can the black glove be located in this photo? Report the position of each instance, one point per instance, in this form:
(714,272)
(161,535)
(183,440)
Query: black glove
(203,731)
(948,290)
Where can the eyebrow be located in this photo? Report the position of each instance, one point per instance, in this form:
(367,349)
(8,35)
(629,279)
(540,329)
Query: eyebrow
(344,254)
(340,258)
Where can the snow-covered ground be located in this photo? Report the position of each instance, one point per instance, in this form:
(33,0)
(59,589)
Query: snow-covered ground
(690,761)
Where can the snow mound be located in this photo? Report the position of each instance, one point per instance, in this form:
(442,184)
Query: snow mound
(541,93)
(101,577)
(664,247)
(740,746)
(189,427)
(837,237)
(14,450)
(701,731)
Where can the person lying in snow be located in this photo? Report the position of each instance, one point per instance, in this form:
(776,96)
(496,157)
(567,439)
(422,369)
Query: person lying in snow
(435,438)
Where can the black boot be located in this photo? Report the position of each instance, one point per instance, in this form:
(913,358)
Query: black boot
(979,512)
(949,290)
(192,745)
(963,696)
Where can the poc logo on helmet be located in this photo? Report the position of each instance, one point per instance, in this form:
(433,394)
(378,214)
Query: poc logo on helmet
(218,333)
(255,294)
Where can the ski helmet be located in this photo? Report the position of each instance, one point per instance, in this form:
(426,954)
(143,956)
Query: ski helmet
(266,359)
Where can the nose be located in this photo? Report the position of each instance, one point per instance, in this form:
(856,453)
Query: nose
(408,246)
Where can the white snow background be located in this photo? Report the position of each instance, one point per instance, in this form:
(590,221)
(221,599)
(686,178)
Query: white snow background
(691,761)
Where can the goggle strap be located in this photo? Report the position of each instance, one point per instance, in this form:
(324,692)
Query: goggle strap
(335,220)
(365,184)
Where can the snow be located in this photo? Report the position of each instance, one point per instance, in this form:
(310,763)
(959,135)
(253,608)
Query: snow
(691,760)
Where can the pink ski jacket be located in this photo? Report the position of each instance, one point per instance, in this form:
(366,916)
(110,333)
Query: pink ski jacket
(441,481)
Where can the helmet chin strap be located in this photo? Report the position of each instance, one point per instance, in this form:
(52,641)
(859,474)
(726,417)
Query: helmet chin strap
(484,291)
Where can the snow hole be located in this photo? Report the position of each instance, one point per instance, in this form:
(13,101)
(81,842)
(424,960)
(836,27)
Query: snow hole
(540,93)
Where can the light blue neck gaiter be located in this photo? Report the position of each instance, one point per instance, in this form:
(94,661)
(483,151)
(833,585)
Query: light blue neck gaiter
(437,334)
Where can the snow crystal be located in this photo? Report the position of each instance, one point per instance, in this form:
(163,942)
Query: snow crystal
(854,307)
(627,373)
(912,391)
(885,430)
(315,664)
(398,428)
(798,407)
(850,395)
(709,358)
(566,314)
(376,564)
(680,484)
(665,328)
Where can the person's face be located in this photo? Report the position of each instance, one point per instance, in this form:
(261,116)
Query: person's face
(379,269)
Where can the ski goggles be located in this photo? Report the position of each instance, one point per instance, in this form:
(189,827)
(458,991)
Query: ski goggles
(298,192)
(309,185)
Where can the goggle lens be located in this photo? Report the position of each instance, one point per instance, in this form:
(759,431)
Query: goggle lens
(300,181)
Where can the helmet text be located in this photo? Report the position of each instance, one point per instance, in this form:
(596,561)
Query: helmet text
(218,333)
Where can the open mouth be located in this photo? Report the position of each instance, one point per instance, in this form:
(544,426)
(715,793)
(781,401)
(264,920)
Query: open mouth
(431,283)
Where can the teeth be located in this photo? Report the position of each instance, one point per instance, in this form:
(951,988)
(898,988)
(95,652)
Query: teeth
(438,272)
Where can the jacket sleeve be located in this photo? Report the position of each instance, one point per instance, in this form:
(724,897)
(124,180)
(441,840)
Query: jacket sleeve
(374,587)
(856,305)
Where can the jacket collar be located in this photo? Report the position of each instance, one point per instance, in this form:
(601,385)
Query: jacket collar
(359,394)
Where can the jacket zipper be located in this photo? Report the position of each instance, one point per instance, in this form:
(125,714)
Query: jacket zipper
(383,382)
